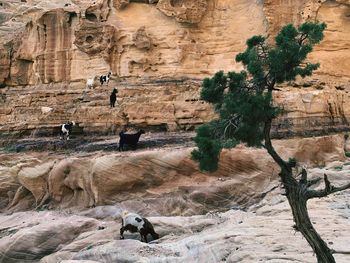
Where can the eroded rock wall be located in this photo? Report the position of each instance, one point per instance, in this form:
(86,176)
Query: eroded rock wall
(68,42)
(154,105)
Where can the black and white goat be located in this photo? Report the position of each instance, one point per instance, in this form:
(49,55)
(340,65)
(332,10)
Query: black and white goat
(135,223)
(66,129)
(129,139)
(113,97)
(105,78)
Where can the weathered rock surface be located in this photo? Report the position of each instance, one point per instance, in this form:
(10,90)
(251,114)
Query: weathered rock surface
(174,105)
(185,11)
(94,39)
(158,51)
(49,49)
(42,33)
(164,181)
(163,184)
(41,235)
(263,233)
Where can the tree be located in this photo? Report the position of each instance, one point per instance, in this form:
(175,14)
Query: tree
(244,105)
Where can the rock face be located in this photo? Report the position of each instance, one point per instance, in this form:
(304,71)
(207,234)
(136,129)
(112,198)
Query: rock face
(162,185)
(95,39)
(263,232)
(164,182)
(184,11)
(174,105)
(49,49)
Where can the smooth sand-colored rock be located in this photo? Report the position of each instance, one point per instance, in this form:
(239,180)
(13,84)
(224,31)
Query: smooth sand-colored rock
(264,232)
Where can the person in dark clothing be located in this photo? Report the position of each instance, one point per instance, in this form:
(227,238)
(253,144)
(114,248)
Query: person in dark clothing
(113,97)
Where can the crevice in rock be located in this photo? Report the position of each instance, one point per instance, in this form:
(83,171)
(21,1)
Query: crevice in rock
(91,17)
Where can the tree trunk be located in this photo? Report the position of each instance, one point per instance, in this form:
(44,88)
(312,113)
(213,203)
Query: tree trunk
(297,199)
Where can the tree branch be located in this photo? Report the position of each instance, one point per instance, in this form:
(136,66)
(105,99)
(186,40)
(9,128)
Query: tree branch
(329,189)
(313,181)
(231,122)
(303,179)
(302,38)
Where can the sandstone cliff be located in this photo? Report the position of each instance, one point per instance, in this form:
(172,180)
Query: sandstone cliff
(158,51)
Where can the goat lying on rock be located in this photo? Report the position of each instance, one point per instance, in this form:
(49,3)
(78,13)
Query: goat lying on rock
(129,139)
(66,129)
(135,223)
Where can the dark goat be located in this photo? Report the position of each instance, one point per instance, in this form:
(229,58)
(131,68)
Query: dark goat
(113,98)
(105,78)
(134,223)
(129,139)
(66,129)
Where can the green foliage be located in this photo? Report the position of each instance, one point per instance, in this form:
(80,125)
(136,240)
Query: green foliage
(313,31)
(292,48)
(208,148)
(213,88)
(347,154)
(243,100)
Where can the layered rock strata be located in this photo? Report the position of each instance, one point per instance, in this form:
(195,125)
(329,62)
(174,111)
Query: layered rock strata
(163,181)
(57,46)
(167,182)
(161,105)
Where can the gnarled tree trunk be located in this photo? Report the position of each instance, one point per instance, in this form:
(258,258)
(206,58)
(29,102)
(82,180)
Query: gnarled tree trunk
(297,195)
(297,198)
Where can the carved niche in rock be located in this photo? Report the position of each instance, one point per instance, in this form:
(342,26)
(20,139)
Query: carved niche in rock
(93,38)
(185,11)
(54,43)
(98,12)
(141,39)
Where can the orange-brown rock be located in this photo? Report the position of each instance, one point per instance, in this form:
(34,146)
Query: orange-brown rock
(95,39)
(120,4)
(53,44)
(98,11)
(64,44)
(165,179)
(5,60)
(333,53)
(165,105)
(185,11)
(141,39)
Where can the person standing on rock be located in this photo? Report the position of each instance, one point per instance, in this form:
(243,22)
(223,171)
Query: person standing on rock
(113,97)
